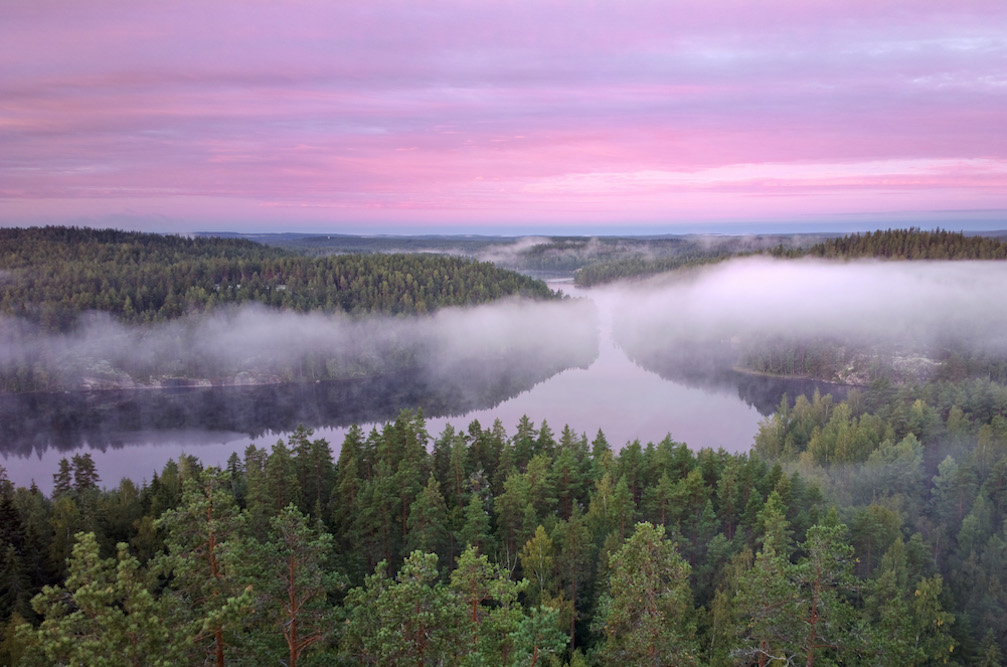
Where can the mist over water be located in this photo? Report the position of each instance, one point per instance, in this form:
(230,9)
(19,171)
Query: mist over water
(254,344)
(553,362)
(569,362)
(914,302)
(622,399)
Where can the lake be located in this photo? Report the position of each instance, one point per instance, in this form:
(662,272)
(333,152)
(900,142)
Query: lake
(133,433)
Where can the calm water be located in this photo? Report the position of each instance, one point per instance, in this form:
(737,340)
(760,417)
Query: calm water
(132,434)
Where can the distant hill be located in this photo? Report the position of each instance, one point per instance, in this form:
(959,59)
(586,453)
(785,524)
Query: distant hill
(50,275)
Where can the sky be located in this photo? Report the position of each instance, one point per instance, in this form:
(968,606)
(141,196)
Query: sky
(514,117)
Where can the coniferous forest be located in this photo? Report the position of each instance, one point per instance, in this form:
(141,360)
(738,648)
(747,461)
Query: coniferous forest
(160,293)
(50,275)
(869,531)
(889,244)
(865,531)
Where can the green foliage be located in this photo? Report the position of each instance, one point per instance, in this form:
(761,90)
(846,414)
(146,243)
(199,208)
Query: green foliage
(207,597)
(408,621)
(295,581)
(642,266)
(106,614)
(490,549)
(52,274)
(912,243)
(646,615)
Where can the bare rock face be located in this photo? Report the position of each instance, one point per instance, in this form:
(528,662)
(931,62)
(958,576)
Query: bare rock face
(863,368)
(914,367)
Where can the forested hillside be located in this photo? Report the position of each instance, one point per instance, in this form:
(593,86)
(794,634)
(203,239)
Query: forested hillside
(51,275)
(638,267)
(911,243)
(865,532)
(657,256)
(83,308)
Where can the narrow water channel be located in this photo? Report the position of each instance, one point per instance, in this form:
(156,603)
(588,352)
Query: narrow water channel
(612,394)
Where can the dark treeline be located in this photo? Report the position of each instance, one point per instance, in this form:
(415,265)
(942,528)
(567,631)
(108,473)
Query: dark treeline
(588,257)
(911,243)
(648,257)
(864,532)
(50,275)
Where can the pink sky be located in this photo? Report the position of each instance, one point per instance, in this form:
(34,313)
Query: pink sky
(503,116)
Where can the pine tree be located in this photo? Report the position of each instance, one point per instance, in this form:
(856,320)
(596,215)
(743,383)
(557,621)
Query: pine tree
(204,540)
(293,581)
(428,522)
(411,620)
(647,614)
(106,615)
(576,549)
(825,579)
(62,480)
(536,637)
(488,604)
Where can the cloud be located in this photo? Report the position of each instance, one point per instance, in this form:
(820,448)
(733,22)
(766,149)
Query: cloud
(389,111)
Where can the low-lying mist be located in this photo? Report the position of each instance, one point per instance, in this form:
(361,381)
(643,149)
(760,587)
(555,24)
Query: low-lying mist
(852,321)
(253,345)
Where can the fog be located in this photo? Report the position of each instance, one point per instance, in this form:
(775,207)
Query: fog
(558,360)
(721,308)
(716,309)
(253,344)
(510,254)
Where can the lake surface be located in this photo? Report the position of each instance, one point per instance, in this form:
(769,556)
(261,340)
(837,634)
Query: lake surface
(133,433)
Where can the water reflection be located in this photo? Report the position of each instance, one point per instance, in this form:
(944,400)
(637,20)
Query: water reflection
(590,386)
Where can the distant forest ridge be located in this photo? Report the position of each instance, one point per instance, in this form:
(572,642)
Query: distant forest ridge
(50,275)
(590,260)
(912,243)
(907,244)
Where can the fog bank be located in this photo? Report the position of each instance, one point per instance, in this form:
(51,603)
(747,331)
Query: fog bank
(254,344)
(717,310)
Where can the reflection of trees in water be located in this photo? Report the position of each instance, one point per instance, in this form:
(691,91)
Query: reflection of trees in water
(764,392)
(66,421)
(710,367)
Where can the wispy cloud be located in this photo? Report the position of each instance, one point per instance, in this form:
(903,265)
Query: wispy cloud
(381,112)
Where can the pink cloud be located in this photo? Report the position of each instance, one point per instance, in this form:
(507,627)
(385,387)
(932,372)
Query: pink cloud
(317,112)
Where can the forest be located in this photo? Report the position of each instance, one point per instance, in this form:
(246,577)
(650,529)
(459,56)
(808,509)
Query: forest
(870,530)
(867,531)
(911,243)
(50,275)
(84,309)
(891,244)
(592,260)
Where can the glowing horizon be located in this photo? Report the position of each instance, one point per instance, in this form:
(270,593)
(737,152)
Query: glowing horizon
(537,117)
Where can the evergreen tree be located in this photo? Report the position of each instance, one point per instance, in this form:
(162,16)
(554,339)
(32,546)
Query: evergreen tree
(205,547)
(106,615)
(411,620)
(825,579)
(428,522)
(537,563)
(294,581)
(491,614)
(646,616)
